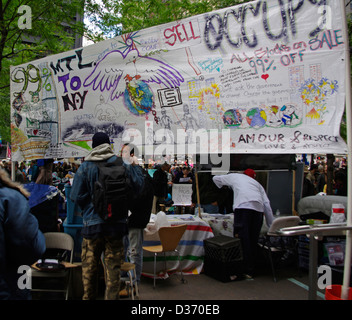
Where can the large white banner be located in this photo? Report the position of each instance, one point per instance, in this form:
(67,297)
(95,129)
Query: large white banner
(263,77)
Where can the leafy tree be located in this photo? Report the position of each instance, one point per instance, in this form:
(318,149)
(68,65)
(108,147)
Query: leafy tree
(49,22)
(50,19)
(112,18)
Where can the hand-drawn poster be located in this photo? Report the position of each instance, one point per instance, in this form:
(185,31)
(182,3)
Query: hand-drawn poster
(262,77)
(182,194)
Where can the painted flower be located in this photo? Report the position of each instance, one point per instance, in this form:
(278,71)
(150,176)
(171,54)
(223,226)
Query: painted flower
(314,94)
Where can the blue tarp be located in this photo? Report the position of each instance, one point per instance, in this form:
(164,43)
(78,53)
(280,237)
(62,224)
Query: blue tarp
(39,193)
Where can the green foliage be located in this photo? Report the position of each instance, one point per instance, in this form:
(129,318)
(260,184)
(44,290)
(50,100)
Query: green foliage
(48,34)
(114,18)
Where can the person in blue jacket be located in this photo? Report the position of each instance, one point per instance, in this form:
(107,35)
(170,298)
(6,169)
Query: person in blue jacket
(21,242)
(98,236)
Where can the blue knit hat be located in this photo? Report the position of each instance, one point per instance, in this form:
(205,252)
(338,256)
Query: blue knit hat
(100,138)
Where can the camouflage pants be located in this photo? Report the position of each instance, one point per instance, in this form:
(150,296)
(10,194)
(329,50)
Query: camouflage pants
(92,250)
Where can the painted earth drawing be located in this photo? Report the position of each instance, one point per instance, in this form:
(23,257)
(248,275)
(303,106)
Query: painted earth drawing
(256,117)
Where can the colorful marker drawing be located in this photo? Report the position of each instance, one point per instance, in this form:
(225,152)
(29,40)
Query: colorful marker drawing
(209,102)
(127,73)
(256,117)
(271,86)
(287,115)
(232,118)
(290,115)
(315,95)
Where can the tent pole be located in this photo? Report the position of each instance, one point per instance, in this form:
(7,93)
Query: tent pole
(197,189)
(198,198)
(294,212)
(13,173)
(347,266)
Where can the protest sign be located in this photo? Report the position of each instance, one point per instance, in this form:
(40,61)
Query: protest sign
(262,77)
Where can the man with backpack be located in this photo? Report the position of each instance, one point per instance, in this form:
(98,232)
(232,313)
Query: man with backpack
(102,191)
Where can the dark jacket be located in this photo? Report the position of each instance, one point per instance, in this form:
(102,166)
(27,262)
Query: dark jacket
(141,206)
(160,183)
(180,176)
(44,205)
(83,183)
(208,191)
(21,242)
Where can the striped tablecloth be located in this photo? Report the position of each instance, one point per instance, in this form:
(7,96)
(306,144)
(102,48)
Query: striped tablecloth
(190,248)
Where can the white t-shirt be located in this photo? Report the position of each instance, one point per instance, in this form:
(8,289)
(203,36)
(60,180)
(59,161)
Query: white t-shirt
(247,193)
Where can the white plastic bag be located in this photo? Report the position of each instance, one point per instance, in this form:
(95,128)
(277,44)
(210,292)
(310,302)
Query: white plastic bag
(156,222)
(161,220)
(337,213)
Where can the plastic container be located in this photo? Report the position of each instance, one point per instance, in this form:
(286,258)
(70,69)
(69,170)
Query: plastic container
(223,258)
(335,253)
(75,231)
(333,292)
(223,248)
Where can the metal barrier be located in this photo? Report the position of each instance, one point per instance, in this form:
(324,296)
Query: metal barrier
(315,233)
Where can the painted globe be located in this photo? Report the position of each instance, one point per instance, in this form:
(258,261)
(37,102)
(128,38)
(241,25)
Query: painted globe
(138,97)
(256,117)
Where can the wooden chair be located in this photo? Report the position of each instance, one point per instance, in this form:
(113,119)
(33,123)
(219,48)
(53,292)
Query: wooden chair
(169,238)
(131,280)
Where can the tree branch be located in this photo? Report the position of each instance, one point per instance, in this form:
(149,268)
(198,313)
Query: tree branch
(4,87)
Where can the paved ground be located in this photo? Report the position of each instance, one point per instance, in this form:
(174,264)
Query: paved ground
(291,285)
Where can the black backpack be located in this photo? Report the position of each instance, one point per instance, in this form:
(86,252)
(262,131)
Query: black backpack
(142,203)
(111,191)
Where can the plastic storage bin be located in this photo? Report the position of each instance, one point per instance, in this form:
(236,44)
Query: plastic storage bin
(223,258)
(73,224)
(75,231)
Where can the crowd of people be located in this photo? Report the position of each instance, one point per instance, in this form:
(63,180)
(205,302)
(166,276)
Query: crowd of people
(315,178)
(42,182)
(211,199)
(164,176)
(26,172)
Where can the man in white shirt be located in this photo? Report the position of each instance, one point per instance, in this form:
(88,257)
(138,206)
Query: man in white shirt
(250,204)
